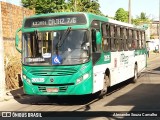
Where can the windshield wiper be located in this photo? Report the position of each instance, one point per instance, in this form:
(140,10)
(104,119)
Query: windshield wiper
(62,38)
(36,34)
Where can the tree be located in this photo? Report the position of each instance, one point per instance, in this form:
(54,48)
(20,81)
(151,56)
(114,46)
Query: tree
(48,6)
(121,15)
(45,6)
(141,19)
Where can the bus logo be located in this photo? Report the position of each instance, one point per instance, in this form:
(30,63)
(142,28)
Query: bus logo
(52,80)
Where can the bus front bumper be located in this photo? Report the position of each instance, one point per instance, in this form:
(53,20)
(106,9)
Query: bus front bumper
(85,87)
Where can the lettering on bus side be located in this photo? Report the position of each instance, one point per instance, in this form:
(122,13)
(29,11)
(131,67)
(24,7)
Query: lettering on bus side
(124,59)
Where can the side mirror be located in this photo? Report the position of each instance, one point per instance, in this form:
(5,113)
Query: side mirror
(98,37)
(17,40)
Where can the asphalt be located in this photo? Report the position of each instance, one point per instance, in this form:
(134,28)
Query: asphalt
(18,93)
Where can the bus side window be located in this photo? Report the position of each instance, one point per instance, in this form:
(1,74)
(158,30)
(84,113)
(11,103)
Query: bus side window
(94,46)
(124,38)
(134,39)
(106,37)
(140,39)
(129,39)
(137,39)
(112,32)
(116,39)
(143,40)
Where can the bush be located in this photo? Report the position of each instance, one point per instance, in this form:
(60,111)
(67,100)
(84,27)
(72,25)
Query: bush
(12,60)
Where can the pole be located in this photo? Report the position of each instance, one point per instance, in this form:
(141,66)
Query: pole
(129,11)
(75,5)
(2,73)
(159,27)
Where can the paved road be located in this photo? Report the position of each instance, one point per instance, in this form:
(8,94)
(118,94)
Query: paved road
(141,96)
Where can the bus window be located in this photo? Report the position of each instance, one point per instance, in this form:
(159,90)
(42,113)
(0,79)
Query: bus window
(129,39)
(94,46)
(116,41)
(121,39)
(134,39)
(106,37)
(118,38)
(125,43)
(112,33)
(143,40)
(137,39)
(140,39)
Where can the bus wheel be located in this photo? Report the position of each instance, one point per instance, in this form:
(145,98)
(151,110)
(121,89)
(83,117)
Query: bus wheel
(105,87)
(134,79)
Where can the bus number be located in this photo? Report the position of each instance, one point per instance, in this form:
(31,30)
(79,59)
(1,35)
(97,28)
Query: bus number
(106,57)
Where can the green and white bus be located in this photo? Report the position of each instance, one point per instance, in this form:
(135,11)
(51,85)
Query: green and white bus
(77,53)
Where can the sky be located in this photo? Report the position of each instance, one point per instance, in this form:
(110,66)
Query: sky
(109,7)
(150,7)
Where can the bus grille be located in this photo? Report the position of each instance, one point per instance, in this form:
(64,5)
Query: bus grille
(60,89)
(53,72)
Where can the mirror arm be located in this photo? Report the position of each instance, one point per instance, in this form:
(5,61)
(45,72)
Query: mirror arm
(17,40)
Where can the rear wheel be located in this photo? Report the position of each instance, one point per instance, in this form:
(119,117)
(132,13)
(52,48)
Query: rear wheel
(134,79)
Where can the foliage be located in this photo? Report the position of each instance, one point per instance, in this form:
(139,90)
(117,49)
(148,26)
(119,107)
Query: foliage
(142,19)
(121,15)
(45,6)
(51,6)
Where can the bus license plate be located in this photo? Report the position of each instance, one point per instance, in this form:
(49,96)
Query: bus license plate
(52,89)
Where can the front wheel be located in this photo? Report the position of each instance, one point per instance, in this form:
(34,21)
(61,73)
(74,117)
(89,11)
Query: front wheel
(105,87)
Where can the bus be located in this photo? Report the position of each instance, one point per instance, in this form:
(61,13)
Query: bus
(76,53)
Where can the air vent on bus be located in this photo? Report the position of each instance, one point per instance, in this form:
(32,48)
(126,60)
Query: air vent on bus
(53,72)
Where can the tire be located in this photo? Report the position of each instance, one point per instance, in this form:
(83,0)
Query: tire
(134,79)
(105,87)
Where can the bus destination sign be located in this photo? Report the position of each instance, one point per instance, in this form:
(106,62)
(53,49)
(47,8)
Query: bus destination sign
(49,21)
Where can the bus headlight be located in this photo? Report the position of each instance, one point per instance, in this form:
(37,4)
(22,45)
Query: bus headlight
(28,81)
(85,76)
(24,77)
(79,80)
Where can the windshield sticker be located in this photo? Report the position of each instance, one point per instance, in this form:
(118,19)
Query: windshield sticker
(34,59)
(56,59)
(46,55)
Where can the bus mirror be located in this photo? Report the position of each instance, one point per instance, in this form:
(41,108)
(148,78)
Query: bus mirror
(17,40)
(98,37)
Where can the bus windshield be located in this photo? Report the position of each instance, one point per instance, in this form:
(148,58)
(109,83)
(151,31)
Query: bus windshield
(40,48)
